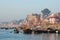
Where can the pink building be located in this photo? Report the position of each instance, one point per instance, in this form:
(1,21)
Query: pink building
(52,19)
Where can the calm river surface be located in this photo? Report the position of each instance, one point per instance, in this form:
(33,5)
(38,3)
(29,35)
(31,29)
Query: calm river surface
(10,35)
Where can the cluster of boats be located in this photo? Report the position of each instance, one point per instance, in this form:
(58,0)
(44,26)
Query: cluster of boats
(38,31)
(29,31)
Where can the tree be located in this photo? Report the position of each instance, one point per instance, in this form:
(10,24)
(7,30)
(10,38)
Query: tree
(45,12)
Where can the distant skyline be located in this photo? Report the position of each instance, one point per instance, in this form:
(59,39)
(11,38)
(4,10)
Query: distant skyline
(19,9)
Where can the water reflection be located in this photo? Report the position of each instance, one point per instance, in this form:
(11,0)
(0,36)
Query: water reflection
(45,36)
(50,37)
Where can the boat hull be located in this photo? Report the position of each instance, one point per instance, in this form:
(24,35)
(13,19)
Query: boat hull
(28,31)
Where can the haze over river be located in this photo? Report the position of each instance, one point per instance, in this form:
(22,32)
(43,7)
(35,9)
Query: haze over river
(10,35)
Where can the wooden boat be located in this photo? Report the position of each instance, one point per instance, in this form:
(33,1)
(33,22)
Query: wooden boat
(16,30)
(27,31)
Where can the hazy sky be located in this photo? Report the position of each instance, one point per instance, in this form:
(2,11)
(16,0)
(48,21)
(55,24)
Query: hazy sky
(18,9)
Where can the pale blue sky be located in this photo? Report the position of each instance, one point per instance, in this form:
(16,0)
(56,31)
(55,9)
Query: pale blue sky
(18,9)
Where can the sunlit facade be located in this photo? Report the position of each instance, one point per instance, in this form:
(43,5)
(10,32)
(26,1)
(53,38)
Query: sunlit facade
(52,19)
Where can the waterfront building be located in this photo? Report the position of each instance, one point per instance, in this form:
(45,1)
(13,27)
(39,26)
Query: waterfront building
(33,19)
(58,17)
(11,24)
(52,19)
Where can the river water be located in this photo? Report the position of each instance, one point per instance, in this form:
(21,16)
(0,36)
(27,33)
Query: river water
(10,35)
